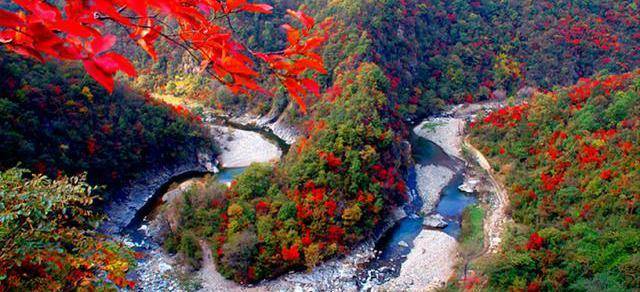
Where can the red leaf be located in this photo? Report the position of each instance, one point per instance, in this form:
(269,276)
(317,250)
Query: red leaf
(297,92)
(306,20)
(233,4)
(311,85)
(138,6)
(258,8)
(106,7)
(27,52)
(101,44)
(40,9)
(75,28)
(99,74)
(311,64)
(112,62)
(293,35)
(10,19)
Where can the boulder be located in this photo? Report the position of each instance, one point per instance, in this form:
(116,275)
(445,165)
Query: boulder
(435,221)
(469,185)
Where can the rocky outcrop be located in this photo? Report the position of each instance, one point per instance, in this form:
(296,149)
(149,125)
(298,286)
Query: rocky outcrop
(469,184)
(125,203)
(285,131)
(276,120)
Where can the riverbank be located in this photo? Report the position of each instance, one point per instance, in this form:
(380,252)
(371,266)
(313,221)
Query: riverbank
(427,260)
(159,270)
(240,148)
(429,265)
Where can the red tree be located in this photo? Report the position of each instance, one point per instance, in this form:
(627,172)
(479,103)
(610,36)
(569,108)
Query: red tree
(74,30)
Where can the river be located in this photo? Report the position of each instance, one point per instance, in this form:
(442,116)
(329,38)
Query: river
(391,250)
(394,247)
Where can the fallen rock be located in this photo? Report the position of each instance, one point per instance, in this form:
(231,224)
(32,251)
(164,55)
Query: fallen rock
(403,243)
(435,221)
(469,185)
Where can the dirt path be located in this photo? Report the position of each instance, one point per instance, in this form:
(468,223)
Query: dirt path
(494,223)
(211,279)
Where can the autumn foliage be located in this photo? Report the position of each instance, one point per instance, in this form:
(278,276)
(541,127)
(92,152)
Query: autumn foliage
(322,199)
(571,161)
(74,30)
(47,241)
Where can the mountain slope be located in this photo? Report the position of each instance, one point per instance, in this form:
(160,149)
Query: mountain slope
(572,162)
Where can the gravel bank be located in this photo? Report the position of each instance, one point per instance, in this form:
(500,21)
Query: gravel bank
(335,275)
(241,148)
(431,180)
(444,132)
(429,264)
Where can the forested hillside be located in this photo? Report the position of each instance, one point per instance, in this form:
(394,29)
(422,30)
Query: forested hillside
(55,120)
(436,52)
(330,192)
(572,164)
(352,76)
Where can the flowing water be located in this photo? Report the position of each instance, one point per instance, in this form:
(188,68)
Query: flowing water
(396,243)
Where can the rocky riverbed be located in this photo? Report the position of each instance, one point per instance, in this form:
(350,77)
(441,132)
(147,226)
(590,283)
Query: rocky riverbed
(429,265)
(426,259)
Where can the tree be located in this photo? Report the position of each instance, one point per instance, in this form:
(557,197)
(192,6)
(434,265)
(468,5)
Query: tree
(74,30)
(47,240)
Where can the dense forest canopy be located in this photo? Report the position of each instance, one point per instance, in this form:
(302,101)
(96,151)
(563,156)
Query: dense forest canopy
(359,72)
(570,158)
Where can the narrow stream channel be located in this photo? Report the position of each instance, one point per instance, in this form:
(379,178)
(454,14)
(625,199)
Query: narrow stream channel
(396,243)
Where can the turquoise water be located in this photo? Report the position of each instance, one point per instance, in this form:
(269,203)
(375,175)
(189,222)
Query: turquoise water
(451,205)
(226,175)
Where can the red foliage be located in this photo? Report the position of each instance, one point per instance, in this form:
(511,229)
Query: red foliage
(625,146)
(332,160)
(590,154)
(318,194)
(534,286)
(262,207)
(306,239)
(506,116)
(606,174)
(303,212)
(72,30)
(567,221)
(331,206)
(335,233)
(91,145)
(585,210)
(535,242)
(532,195)
(551,181)
(290,254)
(585,88)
